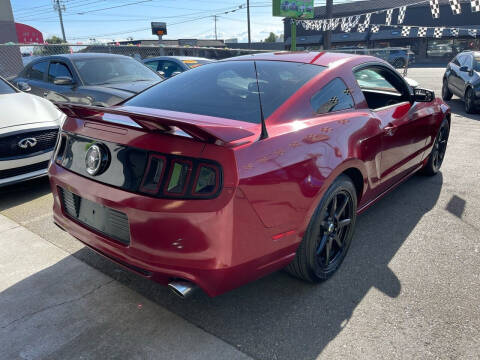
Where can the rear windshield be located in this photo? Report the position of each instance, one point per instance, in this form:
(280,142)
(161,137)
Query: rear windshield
(476,64)
(196,63)
(5,88)
(106,70)
(229,89)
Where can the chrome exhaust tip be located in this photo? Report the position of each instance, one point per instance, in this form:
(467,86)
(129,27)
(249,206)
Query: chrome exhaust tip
(182,288)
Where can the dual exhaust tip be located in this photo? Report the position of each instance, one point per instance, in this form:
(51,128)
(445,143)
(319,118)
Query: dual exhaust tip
(182,288)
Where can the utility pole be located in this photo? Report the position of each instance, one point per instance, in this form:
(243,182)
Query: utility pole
(215,19)
(58,5)
(327,35)
(248,21)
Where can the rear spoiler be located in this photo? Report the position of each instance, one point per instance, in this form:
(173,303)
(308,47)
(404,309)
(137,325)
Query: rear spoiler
(203,130)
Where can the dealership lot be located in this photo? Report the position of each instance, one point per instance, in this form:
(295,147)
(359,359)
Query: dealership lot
(409,288)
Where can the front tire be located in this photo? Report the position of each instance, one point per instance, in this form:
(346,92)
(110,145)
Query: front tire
(469,101)
(329,233)
(437,155)
(446,93)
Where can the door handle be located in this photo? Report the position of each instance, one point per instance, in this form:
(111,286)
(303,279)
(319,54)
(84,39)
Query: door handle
(390,129)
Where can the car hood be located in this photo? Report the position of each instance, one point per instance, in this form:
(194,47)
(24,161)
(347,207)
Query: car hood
(123,90)
(21,109)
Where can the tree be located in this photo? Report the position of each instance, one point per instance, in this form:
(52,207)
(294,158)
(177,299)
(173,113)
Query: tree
(271,38)
(54,40)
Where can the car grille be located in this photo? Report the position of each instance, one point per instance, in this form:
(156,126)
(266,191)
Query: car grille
(4,174)
(107,221)
(46,140)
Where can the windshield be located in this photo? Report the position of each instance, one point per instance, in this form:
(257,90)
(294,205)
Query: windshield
(229,89)
(106,70)
(5,88)
(196,63)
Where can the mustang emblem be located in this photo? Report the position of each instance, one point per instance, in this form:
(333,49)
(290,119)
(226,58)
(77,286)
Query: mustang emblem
(27,142)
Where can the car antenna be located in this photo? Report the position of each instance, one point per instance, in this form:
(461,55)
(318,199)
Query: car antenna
(264,133)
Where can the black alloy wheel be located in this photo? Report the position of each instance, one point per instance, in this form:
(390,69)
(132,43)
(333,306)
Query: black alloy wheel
(446,93)
(439,149)
(328,235)
(469,101)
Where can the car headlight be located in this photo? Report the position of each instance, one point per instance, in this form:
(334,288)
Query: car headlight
(61,120)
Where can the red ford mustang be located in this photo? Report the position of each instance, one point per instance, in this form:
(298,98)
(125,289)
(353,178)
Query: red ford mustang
(239,168)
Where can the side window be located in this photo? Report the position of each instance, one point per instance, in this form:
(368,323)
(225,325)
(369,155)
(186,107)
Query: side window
(469,62)
(461,60)
(334,96)
(169,67)
(152,65)
(57,69)
(37,71)
(381,87)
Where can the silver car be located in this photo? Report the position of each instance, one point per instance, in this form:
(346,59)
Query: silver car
(28,134)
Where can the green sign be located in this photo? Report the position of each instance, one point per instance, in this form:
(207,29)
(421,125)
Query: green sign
(295,9)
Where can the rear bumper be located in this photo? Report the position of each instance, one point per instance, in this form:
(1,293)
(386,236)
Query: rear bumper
(170,239)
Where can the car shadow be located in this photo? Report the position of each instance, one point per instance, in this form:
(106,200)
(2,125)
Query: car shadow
(279,317)
(458,107)
(17,194)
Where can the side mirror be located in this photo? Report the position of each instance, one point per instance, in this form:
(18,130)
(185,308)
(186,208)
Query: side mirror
(423,95)
(63,80)
(23,86)
(161,73)
(464,68)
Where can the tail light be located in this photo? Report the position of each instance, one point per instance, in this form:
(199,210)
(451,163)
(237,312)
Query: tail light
(181,177)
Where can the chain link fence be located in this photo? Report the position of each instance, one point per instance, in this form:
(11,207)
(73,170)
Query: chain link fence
(14,57)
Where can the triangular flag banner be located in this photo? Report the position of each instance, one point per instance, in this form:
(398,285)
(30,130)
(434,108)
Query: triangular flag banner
(401,14)
(435,9)
(422,32)
(406,30)
(367,19)
(455,6)
(475,4)
(388,18)
(362,27)
(454,32)
(472,32)
(375,28)
(438,32)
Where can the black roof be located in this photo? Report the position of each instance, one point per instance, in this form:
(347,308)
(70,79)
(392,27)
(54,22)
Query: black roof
(80,56)
(360,7)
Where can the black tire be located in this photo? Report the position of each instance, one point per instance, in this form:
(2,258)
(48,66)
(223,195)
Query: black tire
(446,93)
(435,159)
(327,239)
(469,101)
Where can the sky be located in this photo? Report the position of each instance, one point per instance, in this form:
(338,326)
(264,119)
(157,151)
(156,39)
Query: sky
(107,20)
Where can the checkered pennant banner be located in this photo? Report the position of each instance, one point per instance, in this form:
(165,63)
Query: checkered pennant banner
(362,27)
(388,17)
(472,32)
(401,14)
(475,4)
(454,31)
(334,24)
(375,28)
(422,32)
(455,6)
(367,19)
(435,8)
(326,24)
(406,30)
(438,32)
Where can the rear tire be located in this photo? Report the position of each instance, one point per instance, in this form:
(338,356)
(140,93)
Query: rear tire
(329,233)
(469,101)
(437,155)
(446,93)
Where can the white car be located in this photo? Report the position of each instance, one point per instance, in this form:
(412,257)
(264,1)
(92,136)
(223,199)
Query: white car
(28,133)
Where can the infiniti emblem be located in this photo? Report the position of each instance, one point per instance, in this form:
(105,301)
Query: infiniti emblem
(27,142)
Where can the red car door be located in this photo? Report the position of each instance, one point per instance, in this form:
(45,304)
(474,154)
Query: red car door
(403,128)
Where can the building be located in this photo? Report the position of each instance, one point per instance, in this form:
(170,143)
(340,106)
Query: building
(27,34)
(178,42)
(425,49)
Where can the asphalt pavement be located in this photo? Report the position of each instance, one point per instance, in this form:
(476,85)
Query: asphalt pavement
(408,289)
